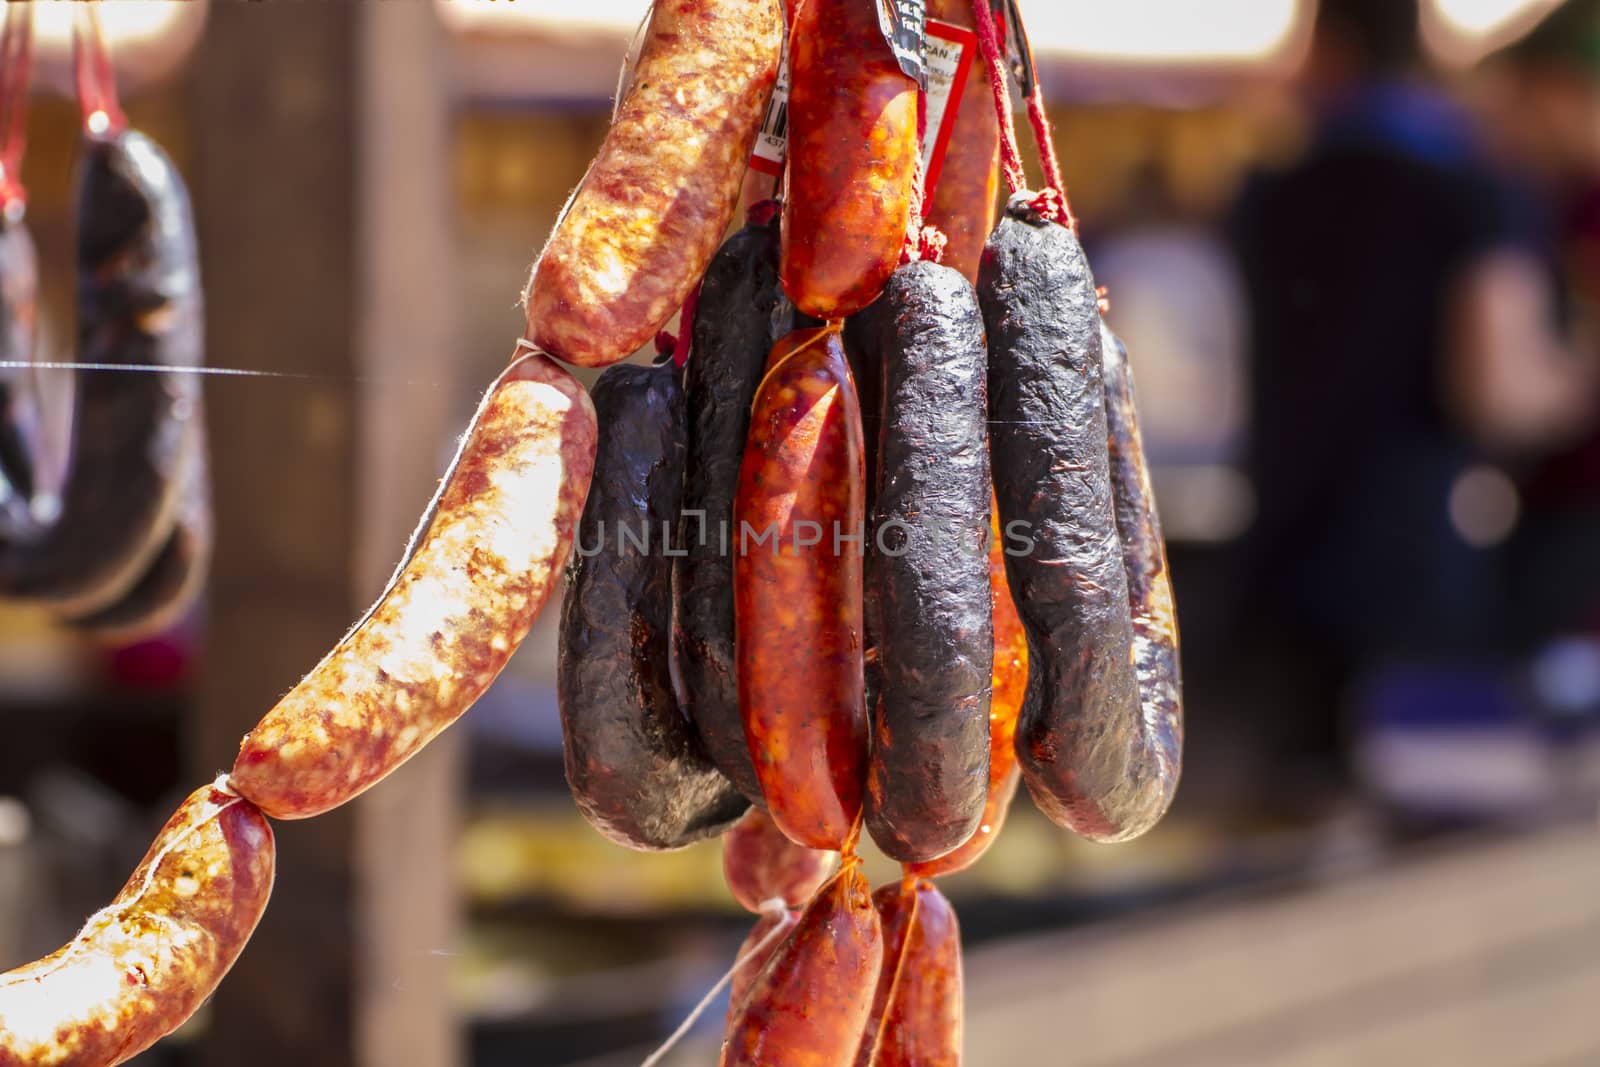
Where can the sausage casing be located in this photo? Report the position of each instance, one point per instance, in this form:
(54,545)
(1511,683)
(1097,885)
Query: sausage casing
(810,1004)
(145,963)
(738,318)
(916,1011)
(797,590)
(633,761)
(1144,560)
(654,206)
(1009,683)
(489,550)
(1092,760)
(966,197)
(928,568)
(139,303)
(852,159)
(760,945)
(760,864)
(177,574)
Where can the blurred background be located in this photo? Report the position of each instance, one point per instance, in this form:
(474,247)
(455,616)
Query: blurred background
(1355,254)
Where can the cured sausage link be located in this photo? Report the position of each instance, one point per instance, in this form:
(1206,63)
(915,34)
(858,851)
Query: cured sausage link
(928,570)
(1144,559)
(1093,760)
(810,1005)
(760,864)
(852,159)
(916,1012)
(488,552)
(739,316)
(139,303)
(141,966)
(797,591)
(650,213)
(633,761)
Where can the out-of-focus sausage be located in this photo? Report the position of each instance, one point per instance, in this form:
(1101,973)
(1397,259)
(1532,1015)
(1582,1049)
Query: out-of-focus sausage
(489,550)
(797,590)
(1093,760)
(178,573)
(809,1006)
(641,228)
(852,159)
(139,303)
(145,963)
(761,865)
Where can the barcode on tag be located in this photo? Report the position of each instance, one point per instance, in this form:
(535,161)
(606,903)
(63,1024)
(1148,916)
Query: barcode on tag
(949,55)
(772,143)
(950,52)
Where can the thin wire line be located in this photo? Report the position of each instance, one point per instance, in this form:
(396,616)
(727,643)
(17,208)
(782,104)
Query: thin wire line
(224,372)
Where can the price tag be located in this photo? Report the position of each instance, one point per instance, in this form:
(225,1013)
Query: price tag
(902,24)
(772,143)
(950,53)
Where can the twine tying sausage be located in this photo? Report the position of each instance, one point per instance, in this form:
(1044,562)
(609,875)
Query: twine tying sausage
(1052,202)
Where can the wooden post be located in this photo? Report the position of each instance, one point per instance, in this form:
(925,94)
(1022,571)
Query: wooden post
(406,891)
(272,99)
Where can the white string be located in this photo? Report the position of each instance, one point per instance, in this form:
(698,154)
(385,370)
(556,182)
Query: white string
(705,1002)
(224,372)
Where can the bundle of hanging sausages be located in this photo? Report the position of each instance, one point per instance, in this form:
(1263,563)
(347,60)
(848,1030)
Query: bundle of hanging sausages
(778,626)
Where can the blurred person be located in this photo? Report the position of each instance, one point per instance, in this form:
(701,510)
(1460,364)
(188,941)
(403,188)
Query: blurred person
(1405,347)
(1545,111)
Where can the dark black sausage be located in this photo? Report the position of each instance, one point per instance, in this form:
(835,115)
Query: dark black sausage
(1092,760)
(177,575)
(138,303)
(928,568)
(633,761)
(1144,560)
(739,316)
(19,284)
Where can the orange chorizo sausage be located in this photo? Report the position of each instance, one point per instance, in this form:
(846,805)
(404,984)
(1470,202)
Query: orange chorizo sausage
(810,1005)
(650,213)
(144,964)
(1010,683)
(797,590)
(489,551)
(852,159)
(760,864)
(916,1012)
(966,198)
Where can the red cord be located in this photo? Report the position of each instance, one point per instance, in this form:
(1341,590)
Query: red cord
(762,212)
(680,351)
(922,241)
(92,70)
(989,45)
(16,52)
